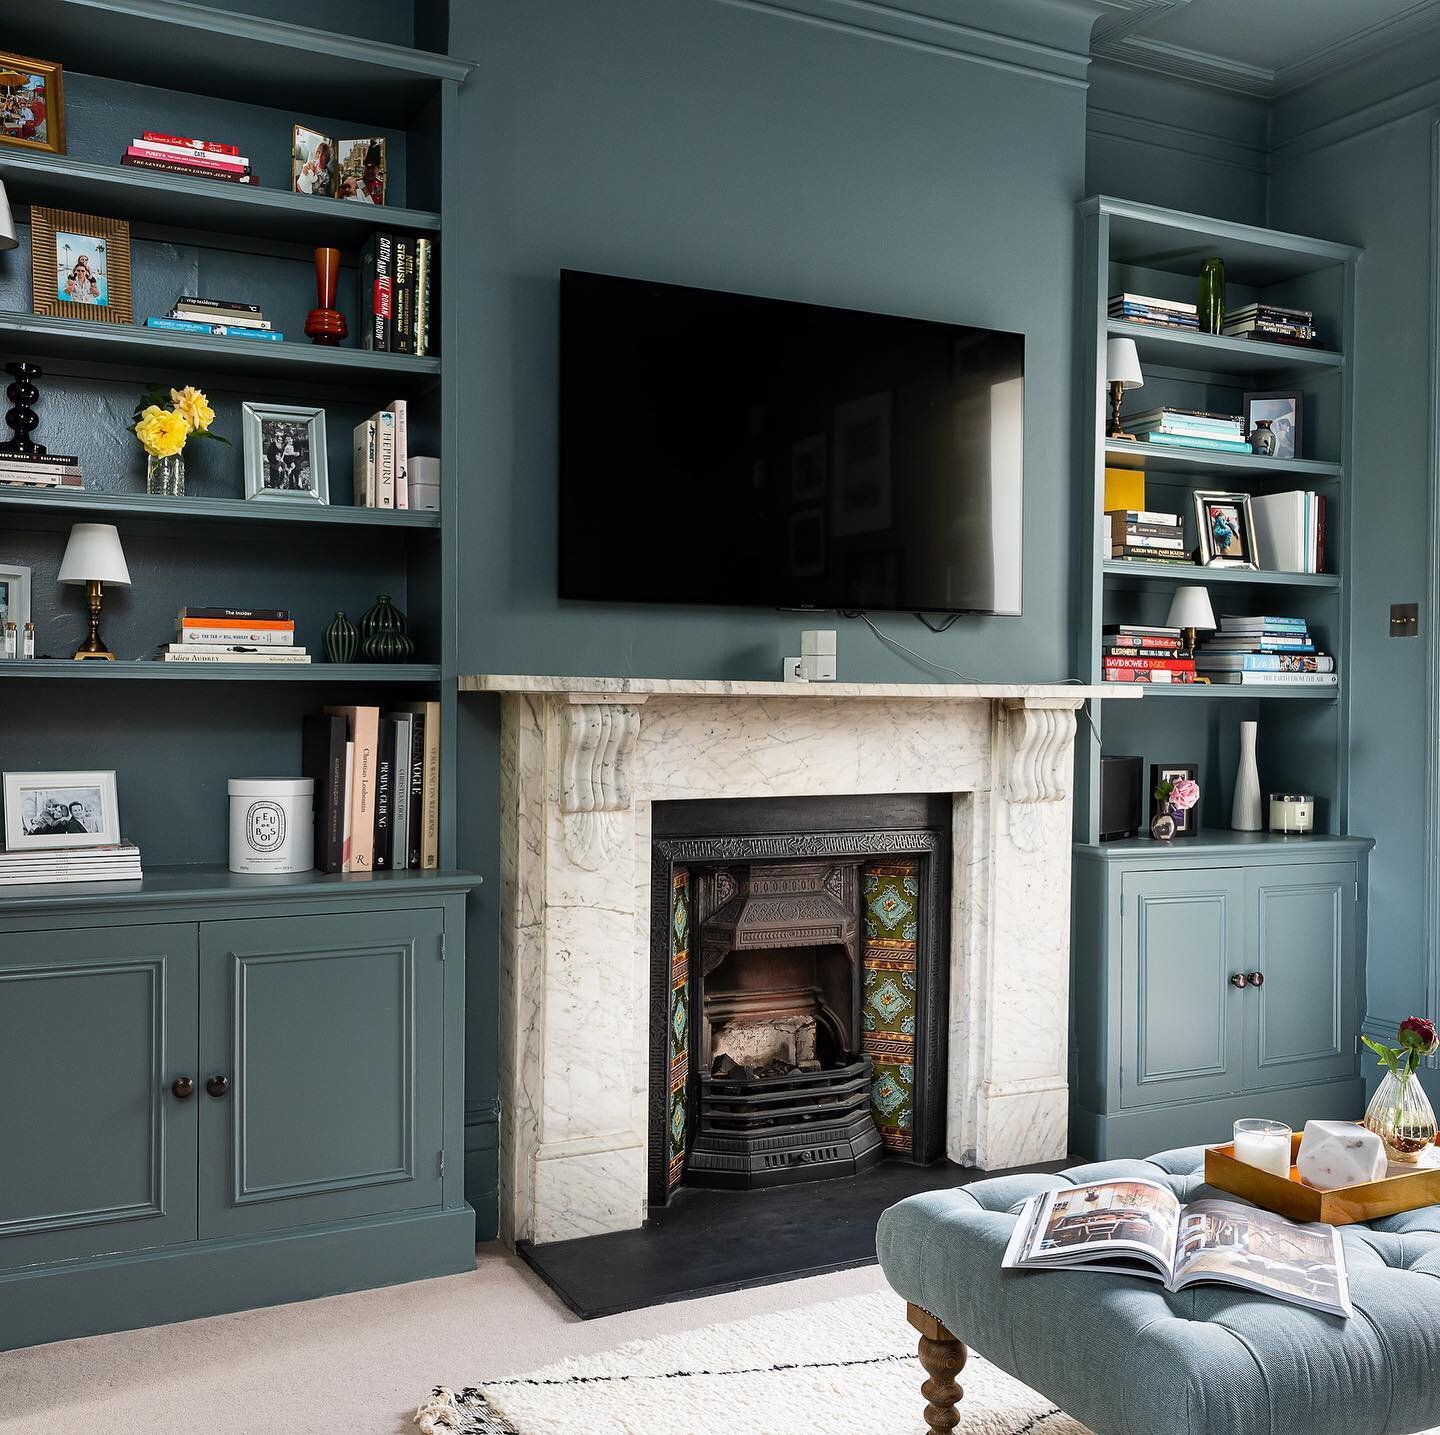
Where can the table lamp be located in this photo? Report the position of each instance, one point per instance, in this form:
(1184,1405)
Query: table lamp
(7,225)
(93,556)
(1190,609)
(1122,370)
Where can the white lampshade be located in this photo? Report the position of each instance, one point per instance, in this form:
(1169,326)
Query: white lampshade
(7,225)
(94,555)
(1122,363)
(1190,608)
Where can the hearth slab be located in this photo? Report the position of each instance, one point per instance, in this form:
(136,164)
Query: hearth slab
(709,1242)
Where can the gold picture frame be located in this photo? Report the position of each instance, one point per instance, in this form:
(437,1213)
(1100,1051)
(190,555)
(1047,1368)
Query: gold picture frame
(32,103)
(80,266)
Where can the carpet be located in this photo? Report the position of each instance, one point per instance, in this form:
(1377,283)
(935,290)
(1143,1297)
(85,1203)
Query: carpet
(828,1369)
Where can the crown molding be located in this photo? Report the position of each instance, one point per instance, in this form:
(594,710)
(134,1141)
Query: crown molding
(1185,64)
(1419,19)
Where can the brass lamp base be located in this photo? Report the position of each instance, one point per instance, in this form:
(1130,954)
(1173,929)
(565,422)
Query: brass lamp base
(93,647)
(1117,396)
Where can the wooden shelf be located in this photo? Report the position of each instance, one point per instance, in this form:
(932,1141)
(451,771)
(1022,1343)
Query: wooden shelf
(1195,573)
(1194,462)
(212,205)
(38,336)
(178,46)
(1215,354)
(336,674)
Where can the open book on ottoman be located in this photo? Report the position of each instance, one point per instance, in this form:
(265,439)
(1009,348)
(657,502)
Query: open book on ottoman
(1136,1227)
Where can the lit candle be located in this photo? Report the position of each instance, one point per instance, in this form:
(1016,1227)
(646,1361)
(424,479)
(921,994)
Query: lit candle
(1265,1144)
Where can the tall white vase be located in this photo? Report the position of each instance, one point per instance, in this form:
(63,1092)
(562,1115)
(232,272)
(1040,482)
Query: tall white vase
(1245,814)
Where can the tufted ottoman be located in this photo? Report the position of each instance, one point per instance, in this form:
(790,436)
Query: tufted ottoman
(1127,1358)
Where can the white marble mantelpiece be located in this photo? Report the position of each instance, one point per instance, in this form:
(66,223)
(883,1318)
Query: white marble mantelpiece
(583,760)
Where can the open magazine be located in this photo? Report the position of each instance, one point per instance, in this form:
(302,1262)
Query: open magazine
(1139,1228)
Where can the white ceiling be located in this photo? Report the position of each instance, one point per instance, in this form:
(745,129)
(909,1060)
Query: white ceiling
(1259,47)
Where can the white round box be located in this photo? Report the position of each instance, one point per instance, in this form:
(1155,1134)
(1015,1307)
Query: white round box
(272,824)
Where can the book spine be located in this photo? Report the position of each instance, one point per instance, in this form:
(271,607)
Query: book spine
(362,845)
(226,331)
(1144,515)
(1137,641)
(1219,445)
(236,615)
(1147,541)
(1127,675)
(348,806)
(384,783)
(1267,663)
(181,167)
(365,464)
(1120,529)
(1139,652)
(1149,665)
(401,410)
(205,634)
(1261,680)
(195,161)
(382,297)
(430,847)
(417,790)
(400,794)
(1253,622)
(367,293)
(323,761)
(424,264)
(186,142)
(218,316)
(196,301)
(257,658)
(230,648)
(384,459)
(404,330)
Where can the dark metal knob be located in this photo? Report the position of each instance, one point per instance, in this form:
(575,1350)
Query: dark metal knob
(1237,979)
(218,1085)
(1256,979)
(183,1087)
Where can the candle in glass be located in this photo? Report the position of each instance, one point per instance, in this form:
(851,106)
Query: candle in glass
(1265,1144)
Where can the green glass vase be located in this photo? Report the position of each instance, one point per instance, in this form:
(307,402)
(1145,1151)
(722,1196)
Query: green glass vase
(1211,302)
(341,640)
(383,638)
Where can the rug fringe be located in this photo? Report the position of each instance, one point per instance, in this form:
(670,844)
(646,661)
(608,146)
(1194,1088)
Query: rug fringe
(439,1414)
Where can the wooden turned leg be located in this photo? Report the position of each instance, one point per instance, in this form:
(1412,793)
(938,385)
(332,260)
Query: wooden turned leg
(943,1357)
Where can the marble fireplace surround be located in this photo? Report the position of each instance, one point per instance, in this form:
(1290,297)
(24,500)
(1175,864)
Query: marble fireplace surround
(582,761)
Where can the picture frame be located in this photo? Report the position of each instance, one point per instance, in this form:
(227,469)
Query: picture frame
(32,103)
(1285,408)
(80,266)
(313,169)
(361,170)
(47,810)
(1225,529)
(1187,823)
(14,596)
(285,458)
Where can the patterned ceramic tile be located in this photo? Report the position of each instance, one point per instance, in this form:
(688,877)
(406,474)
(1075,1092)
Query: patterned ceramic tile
(892,905)
(679,1022)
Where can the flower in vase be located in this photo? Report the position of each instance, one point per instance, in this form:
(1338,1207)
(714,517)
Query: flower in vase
(1417,1040)
(1418,1033)
(162,432)
(192,405)
(1184,793)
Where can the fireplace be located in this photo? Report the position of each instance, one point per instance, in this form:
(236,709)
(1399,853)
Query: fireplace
(798,988)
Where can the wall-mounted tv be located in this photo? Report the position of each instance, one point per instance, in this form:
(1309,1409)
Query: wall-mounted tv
(726,449)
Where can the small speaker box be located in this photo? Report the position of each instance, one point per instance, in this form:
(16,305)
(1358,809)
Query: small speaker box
(1120,798)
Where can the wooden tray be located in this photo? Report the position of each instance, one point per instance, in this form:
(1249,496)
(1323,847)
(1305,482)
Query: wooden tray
(1341,1207)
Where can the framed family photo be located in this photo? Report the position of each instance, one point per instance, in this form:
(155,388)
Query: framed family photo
(80,266)
(60,809)
(32,103)
(14,596)
(285,453)
(1226,529)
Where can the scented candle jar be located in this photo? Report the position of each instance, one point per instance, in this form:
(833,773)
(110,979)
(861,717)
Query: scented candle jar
(1265,1144)
(272,824)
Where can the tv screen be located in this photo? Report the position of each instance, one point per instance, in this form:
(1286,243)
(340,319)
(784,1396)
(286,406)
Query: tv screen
(719,448)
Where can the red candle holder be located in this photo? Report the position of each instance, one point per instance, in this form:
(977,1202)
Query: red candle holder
(326,324)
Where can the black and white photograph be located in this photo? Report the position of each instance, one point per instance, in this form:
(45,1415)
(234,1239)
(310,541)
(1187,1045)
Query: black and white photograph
(1285,412)
(60,809)
(285,453)
(14,596)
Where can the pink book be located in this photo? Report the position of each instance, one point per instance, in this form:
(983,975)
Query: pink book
(196,160)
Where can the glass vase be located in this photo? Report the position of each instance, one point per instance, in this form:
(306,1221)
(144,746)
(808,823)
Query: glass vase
(1400,1114)
(165,477)
(1211,304)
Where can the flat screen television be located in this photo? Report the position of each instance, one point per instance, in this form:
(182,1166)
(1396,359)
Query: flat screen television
(726,449)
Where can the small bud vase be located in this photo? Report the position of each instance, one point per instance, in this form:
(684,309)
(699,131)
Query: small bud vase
(165,477)
(382,633)
(342,642)
(1400,1114)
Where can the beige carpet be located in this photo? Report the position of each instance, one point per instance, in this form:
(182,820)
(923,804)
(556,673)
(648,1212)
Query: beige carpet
(353,1363)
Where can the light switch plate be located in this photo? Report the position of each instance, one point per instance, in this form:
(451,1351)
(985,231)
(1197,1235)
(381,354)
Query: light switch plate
(1404,620)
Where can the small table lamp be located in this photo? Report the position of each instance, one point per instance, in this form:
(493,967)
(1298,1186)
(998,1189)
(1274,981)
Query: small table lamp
(93,557)
(8,239)
(1190,609)
(1122,370)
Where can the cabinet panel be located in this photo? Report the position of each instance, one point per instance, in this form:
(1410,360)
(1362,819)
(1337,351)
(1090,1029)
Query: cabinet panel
(1182,938)
(99,1155)
(329,1030)
(1301,1023)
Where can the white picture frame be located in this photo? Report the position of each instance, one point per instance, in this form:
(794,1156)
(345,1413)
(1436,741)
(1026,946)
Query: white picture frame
(43,810)
(14,596)
(285,459)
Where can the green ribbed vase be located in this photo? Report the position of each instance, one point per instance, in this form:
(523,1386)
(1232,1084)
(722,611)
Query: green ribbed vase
(383,638)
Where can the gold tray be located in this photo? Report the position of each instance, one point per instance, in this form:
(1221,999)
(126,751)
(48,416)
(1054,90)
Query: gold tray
(1341,1207)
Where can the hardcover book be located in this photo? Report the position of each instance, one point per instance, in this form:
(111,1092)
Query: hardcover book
(364,730)
(322,757)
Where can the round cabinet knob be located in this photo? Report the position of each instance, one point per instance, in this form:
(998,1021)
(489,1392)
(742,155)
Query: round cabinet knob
(1237,979)
(1256,979)
(183,1087)
(218,1085)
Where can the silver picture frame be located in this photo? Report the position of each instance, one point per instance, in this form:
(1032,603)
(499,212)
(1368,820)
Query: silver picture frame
(14,596)
(1214,508)
(285,459)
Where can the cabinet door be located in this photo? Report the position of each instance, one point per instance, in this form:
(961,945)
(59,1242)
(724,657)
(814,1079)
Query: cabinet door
(329,1032)
(1301,1024)
(1182,1022)
(97,1153)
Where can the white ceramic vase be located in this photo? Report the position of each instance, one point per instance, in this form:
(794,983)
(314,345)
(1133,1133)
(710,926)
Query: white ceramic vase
(1245,813)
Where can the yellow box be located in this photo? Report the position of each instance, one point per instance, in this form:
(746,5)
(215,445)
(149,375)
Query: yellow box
(1124,489)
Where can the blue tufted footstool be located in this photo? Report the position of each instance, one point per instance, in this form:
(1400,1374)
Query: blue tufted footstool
(1126,1357)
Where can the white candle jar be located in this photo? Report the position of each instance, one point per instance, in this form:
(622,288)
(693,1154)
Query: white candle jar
(1265,1144)
(272,824)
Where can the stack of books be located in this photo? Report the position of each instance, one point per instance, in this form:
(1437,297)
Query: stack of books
(181,154)
(1142,536)
(1289,531)
(377,787)
(1273,324)
(1141,653)
(382,459)
(39,470)
(1189,428)
(1265,651)
(229,318)
(397,279)
(234,635)
(1163,313)
(116,863)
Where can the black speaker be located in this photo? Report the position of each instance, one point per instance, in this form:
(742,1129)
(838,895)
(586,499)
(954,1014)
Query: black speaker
(1120,798)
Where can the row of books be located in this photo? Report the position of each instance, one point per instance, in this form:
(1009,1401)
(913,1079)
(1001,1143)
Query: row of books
(377,787)
(397,282)
(1289,531)
(1146,309)
(1144,653)
(234,635)
(1272,323)
(39,470)
(382,458)
(1189,428)
(229,318)
(118,862)
(1146,536)
(194,158)
(1265,650)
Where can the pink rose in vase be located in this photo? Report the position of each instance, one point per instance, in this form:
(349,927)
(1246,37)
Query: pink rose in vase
(1184,794)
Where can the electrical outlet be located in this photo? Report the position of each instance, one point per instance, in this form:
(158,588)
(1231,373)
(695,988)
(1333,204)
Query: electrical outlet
(1404,620)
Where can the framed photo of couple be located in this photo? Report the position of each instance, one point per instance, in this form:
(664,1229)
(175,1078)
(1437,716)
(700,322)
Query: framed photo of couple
(45,810)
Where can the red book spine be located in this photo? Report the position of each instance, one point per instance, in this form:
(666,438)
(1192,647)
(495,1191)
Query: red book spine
(197,160)
(1136,640)
(190,143)
(1320,533)
(166,166)
(1146,665)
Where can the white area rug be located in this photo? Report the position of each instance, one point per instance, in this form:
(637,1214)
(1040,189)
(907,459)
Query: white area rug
(835,1369)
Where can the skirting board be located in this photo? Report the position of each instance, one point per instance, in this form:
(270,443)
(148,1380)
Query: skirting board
(46,1303)
(1103,1136)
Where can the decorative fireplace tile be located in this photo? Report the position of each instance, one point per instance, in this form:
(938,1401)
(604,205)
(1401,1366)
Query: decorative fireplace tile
(679,1021)
(891,893)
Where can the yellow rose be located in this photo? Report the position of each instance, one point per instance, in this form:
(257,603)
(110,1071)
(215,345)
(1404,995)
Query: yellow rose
(162,431)
(194,407)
